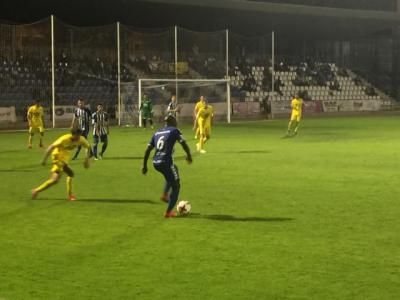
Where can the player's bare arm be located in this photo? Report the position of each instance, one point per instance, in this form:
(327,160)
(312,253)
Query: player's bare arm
(195,124)
(187,150)
(47,154)
(29,117)
(73,122)
(195,121)
(146,158)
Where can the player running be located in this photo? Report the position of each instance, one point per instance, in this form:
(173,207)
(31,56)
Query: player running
(203,120)
(297,108)
(164,140)
(101,131)
(146,111)
(35,118)
(200,104)
(60,151)
(81,120)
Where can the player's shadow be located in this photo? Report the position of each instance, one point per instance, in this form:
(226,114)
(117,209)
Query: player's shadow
(15,171)
(183,157)
(118,201)
(253,152)
(104,200)
(247,152)
(230,218)
(123,158)
(288,136)
(22,169)
(10,151)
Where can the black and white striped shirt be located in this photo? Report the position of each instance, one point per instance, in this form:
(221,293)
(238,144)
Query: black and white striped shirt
(82,117)
(170,109)
(100,123)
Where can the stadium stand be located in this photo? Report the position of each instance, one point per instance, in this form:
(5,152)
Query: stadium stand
(96,80)
(85,77)
(322,81)
(86,66)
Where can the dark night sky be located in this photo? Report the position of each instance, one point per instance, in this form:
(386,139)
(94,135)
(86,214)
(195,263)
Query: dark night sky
(132,12)
(100,12)
(147,15)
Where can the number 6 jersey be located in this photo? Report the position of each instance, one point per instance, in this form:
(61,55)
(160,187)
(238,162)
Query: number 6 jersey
(164,141)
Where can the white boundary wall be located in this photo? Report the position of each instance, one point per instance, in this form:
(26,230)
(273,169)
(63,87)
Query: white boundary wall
(8,115)
(281,107)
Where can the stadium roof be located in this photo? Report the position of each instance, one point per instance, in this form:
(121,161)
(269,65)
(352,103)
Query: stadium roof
(286,9)
(249,17)
(289,19)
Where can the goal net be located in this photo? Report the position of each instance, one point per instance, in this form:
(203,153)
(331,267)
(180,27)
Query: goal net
(187,92)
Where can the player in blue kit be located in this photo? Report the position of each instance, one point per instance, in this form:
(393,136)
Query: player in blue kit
(163,141)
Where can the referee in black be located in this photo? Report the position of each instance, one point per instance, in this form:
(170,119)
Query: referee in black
(81,120)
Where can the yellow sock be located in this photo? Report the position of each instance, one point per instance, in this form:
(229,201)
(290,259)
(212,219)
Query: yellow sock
(69,185)
(201,143)
(45,185)
(30,140)
(197,132)
(296,128)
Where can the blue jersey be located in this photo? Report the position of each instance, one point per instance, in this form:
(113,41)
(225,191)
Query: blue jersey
(164,141)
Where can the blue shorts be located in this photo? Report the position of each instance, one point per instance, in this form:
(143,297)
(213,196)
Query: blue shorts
(103,138)
(170,171)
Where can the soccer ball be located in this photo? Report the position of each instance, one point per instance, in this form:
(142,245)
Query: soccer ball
(183,207)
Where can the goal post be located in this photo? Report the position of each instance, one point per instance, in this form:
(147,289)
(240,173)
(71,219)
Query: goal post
(187,92)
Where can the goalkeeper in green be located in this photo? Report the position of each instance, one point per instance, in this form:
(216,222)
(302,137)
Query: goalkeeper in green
(146,111)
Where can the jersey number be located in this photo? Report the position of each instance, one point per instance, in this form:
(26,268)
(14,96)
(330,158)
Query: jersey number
(160,143)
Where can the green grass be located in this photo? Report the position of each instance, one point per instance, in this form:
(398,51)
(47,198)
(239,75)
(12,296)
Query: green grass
(310,217)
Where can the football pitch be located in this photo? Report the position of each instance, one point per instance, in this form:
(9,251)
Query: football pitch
(310,217)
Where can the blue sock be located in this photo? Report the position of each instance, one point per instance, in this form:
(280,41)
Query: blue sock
(174,195)
(167,187)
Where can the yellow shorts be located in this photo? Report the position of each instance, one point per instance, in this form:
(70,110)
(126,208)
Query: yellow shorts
(295,117)
(58,163)
(205,130)
(34,129)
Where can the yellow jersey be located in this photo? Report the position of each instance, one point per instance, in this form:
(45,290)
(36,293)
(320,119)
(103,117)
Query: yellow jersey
(297,105)
(199,105)
(35,115)
(64,144)
(205,113)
